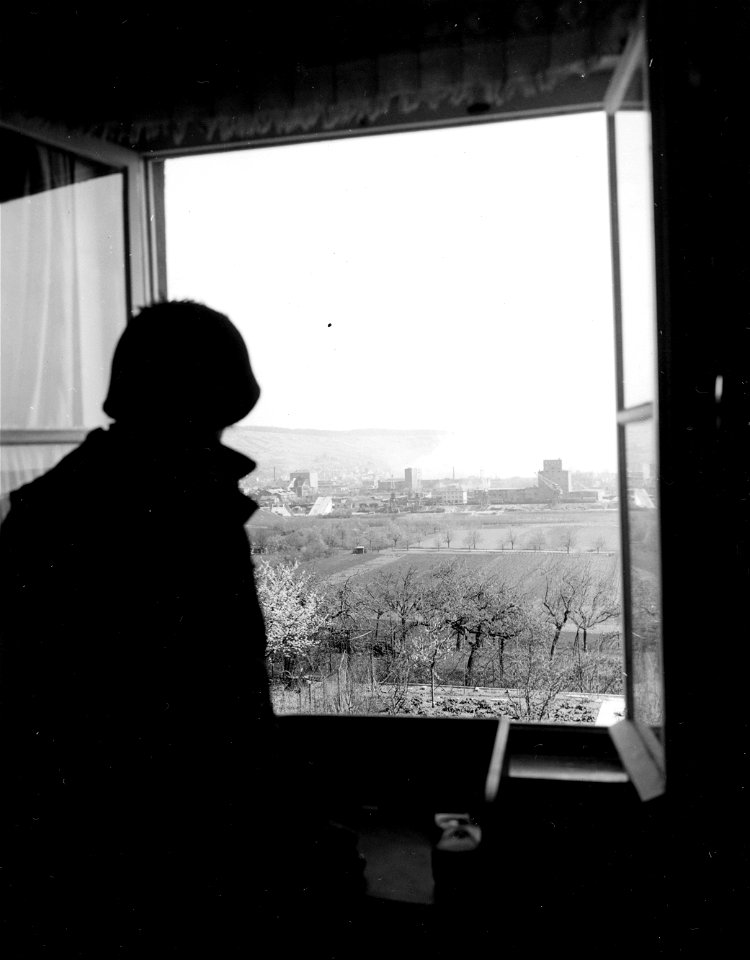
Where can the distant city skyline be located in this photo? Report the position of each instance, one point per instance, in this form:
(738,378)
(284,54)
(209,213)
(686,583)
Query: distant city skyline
(320,495)
(441,463)
(454,279)
(360,453)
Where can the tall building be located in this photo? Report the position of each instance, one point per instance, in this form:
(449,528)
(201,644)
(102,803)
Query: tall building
(298,477)
(413,479)
(553,473)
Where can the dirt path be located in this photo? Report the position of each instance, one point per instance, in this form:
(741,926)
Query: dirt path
(373,564)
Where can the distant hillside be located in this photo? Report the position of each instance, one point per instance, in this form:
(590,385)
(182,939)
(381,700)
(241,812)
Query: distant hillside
(334,451)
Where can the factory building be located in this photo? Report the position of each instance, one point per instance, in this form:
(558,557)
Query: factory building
(303,482)
(413,479)
(553,473)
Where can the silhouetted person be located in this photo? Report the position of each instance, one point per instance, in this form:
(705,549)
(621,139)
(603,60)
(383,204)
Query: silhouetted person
(135,711)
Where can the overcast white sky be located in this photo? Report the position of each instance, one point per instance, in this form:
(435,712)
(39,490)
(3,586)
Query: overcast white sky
(453,279)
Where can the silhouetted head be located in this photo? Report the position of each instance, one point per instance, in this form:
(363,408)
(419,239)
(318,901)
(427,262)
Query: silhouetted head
(181,364)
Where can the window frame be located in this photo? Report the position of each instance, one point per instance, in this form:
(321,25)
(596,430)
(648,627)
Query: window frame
(632,61)
(140,269)
(147,280)
(616,91)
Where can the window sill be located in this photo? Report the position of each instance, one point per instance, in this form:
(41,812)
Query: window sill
(580,770)
(440,763)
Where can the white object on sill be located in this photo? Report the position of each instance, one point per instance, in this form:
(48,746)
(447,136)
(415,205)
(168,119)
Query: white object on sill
(611,710)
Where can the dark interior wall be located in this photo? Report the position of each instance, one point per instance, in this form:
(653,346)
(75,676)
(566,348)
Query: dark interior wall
(701,179)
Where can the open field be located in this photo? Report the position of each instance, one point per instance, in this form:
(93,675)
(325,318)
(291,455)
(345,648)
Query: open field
(325,544)
(587,530)
(521,569)
(379,652)
(345,564)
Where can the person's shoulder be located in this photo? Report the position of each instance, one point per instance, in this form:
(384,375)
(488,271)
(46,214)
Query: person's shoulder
(66,478)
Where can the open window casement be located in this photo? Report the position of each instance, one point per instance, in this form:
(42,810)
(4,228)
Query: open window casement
(74,264)
(634,292)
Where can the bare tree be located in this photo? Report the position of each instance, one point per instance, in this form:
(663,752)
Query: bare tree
(560,593)
(399,595)
(370,535)
(511,537)
(600,543)
(596,602)
(448,596)
(379,543)
(506,617)
(598,670)
(430,644)
(343,606)
(567,537)
(408,534)
(332,533)
(395,535)
(422,529)
(475,608)
(260,539)
(537,540)
(374,608)
(537,678)
(472,537)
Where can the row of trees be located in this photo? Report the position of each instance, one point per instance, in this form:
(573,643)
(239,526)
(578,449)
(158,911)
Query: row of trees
(455,624)
(322,537)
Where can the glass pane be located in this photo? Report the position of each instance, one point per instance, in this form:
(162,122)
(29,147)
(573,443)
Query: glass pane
(429,316)
(62,286)
(645,574)
(636,245)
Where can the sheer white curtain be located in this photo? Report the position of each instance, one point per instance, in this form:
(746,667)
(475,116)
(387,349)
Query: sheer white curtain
(62,308)
(21,463)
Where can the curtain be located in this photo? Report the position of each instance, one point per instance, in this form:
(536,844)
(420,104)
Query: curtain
(512,61)
(20,463)
(62,304)
(194,77)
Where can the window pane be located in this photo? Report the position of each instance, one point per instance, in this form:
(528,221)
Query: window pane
(645,679)
(62,287)
(636,254)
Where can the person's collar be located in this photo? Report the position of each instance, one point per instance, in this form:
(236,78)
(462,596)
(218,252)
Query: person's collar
(170,440)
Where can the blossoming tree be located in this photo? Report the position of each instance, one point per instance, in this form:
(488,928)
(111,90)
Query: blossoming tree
(294,612)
